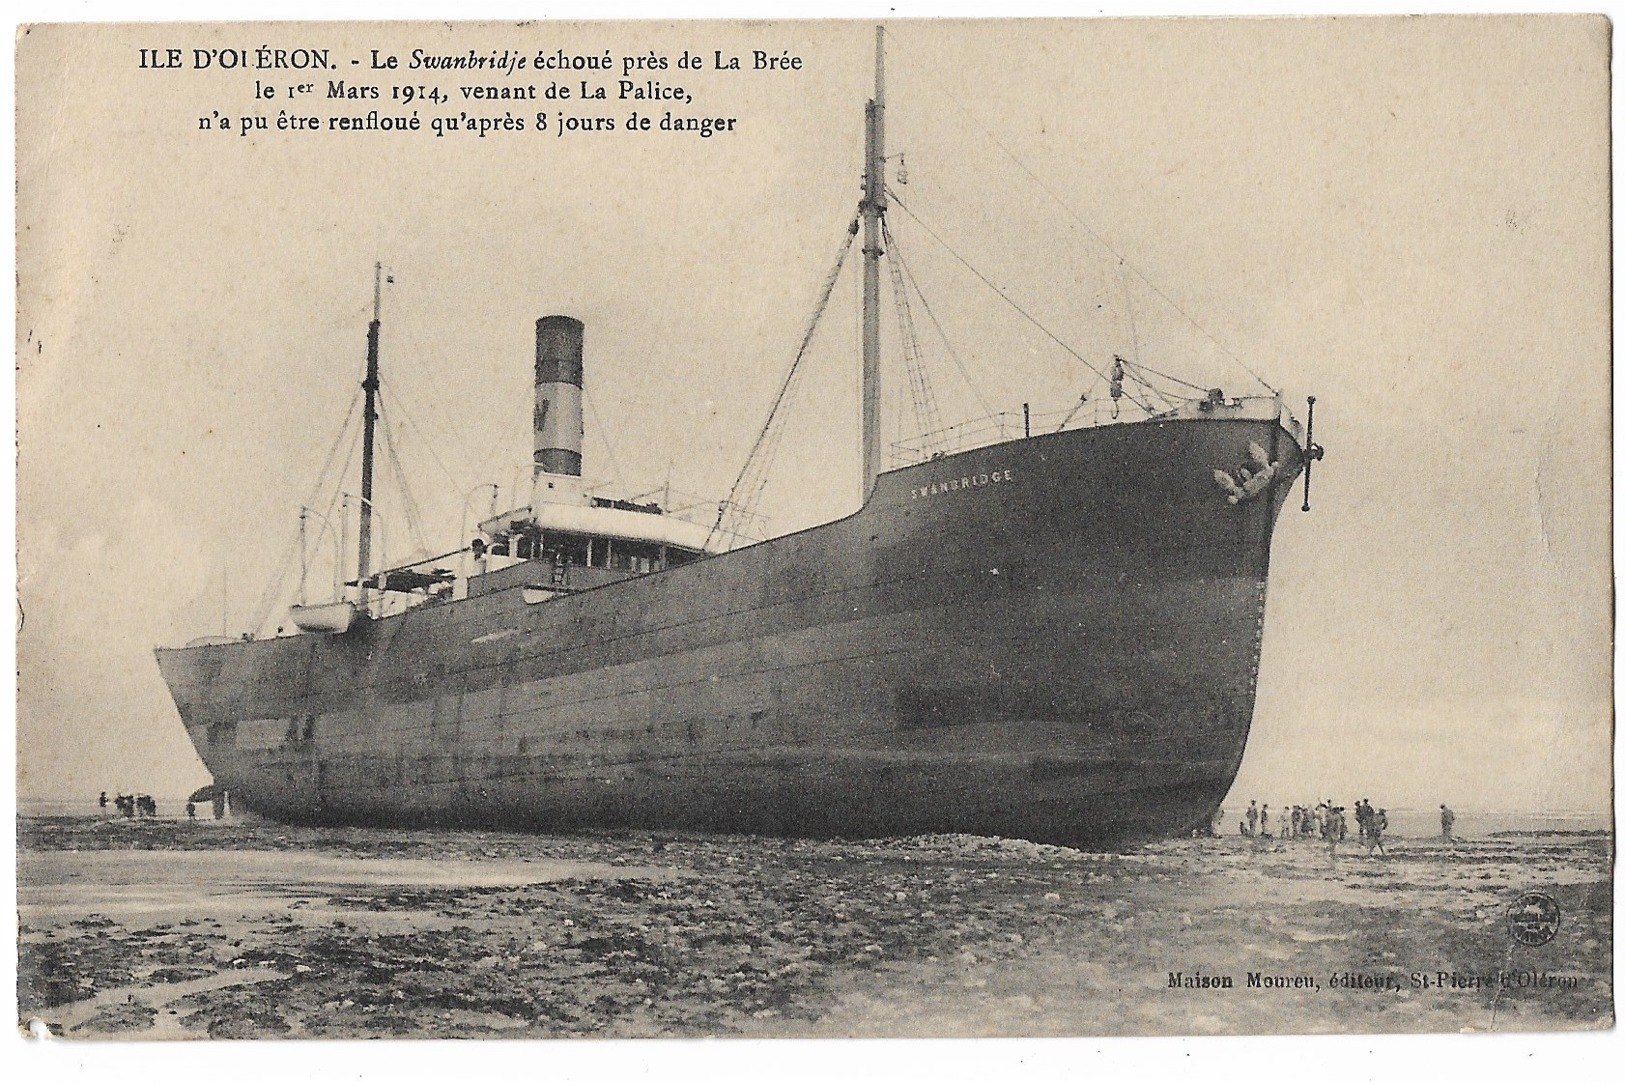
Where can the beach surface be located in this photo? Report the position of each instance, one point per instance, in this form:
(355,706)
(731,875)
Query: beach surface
(243,929)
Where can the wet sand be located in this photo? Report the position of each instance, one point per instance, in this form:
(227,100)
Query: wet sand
(176,930)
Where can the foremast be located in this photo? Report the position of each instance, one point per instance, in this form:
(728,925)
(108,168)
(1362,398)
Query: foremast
(369,419)
(873,211)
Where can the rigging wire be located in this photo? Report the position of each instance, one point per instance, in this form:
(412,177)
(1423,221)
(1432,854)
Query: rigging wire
(899,430)
(1170,377)
(1076,407)
(514,437)
(1007,299)
(267,600)
(444,424)
(409,505)
(338,492)
(926,415)
(273,589)
(1150,389)
(321,477)
(404,365)
(1122,260)
(1128,307)
(338,482)
(603,435)
(946,342)
(740,504)
(399,402)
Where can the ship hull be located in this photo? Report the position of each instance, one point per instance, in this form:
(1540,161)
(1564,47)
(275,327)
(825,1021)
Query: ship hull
(1054,638)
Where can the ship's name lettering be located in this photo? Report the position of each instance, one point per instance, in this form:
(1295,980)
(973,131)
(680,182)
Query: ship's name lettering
(964,482)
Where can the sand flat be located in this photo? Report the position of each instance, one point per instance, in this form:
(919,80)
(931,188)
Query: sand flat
(359,933)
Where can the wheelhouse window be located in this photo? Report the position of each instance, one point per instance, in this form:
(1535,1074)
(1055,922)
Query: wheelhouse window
(563,548)
(633,557)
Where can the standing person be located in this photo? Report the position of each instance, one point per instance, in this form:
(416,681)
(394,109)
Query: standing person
(102,802)
(1447,823)
(1252,818)
(1264,822)
(1378,823)
(191,810)
(1337,827)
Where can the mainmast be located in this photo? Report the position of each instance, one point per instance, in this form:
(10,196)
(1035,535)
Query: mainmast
(873,208)
(369,418)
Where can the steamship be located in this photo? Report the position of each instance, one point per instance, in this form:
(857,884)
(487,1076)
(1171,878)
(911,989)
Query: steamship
(1053,637)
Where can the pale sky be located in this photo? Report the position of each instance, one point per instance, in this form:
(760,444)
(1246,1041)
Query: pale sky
(1405,218)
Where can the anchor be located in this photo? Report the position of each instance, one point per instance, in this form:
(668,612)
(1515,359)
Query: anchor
(1311,453)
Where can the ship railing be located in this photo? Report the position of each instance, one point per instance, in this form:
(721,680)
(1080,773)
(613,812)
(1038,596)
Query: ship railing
(1011,425)
(1006,426)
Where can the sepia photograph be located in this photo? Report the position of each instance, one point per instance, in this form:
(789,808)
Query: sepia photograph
(928,528)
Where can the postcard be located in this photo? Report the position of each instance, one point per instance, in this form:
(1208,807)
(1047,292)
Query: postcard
(952,528)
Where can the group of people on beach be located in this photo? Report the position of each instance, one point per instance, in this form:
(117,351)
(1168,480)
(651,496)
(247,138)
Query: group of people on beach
(1326,820)
(145,806)
(1373,823)
(132,806)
